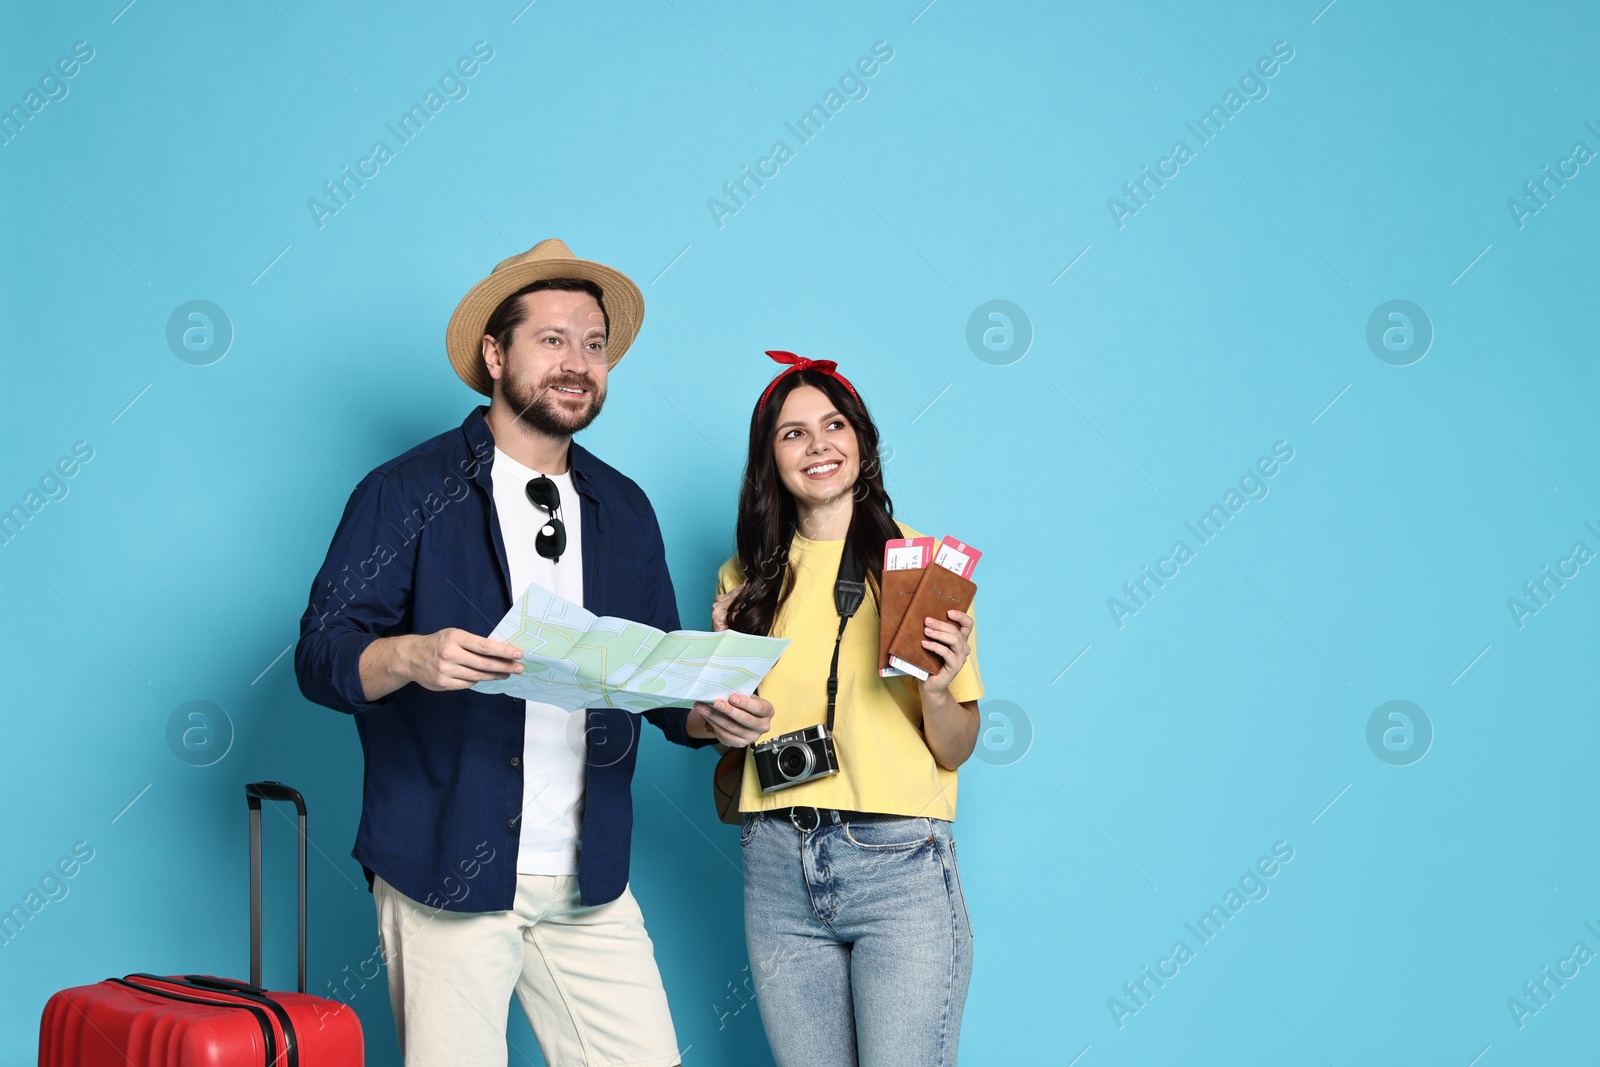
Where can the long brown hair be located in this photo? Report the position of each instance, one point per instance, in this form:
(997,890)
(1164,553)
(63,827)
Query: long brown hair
(767,513)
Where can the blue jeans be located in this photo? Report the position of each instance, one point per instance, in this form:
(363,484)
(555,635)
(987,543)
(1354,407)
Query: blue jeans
(859,941)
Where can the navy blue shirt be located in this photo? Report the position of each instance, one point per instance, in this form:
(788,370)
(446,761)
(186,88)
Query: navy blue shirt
(418,550)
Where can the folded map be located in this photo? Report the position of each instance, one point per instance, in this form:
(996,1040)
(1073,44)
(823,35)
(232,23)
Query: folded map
(574,659)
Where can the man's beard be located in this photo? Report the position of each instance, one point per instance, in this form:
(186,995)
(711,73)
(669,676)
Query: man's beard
(538,409)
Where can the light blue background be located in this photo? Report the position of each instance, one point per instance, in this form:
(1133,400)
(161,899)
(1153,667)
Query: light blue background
(1225,316)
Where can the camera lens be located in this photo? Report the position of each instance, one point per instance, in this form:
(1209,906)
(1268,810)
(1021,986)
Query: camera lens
(794,761)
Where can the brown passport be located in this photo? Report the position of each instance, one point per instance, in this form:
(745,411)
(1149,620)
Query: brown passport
(938,592)
(898,586)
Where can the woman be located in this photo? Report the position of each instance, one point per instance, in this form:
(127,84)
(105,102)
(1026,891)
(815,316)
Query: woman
(858,932)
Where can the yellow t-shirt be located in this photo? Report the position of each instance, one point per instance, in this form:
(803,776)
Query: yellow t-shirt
(884,764)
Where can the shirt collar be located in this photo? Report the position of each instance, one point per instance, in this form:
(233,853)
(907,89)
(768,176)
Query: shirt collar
(480,443)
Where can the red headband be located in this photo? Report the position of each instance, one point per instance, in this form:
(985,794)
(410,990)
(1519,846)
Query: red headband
(826,366)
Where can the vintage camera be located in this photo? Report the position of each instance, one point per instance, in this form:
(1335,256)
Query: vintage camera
(795,757)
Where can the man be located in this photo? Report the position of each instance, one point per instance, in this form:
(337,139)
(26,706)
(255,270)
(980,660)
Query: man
(495,831)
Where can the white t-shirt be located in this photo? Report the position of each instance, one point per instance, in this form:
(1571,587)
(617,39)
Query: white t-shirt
(552,746)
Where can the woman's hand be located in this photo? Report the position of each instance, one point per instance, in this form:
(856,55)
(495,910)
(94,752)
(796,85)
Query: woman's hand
(736,720)
(948,641)
(950,729)
(719,607)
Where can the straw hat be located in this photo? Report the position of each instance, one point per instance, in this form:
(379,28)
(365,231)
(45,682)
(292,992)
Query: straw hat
(463,339)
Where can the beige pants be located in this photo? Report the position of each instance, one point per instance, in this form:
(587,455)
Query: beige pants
(586,978)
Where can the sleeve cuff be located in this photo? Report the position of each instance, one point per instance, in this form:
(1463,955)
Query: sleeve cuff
(967,693)
(347,673)
(674,724)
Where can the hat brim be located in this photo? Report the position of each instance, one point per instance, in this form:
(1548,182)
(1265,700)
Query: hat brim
(624,305)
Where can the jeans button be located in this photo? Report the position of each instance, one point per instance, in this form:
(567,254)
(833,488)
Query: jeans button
(516,761)
(512,822)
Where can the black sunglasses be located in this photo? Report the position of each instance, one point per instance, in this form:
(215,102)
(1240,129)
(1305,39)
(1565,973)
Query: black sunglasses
(552,539)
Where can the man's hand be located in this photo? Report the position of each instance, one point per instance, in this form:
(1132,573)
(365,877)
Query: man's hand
(736,720)
(443,661)
(719,607)
(456,659)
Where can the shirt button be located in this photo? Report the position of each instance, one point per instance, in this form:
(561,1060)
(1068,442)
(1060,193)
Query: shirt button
(512,822)
(516,761)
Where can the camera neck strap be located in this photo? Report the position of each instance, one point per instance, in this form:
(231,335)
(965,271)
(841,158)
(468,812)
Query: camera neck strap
(849,589)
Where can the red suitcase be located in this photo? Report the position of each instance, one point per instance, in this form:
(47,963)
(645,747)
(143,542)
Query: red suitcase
(199,1020)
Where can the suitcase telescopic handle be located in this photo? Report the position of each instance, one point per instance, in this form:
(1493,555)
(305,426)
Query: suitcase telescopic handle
(255,793)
